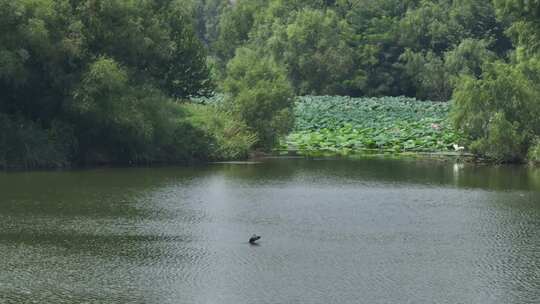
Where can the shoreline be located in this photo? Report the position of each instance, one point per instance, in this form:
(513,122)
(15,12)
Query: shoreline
(258,157)
(374,153)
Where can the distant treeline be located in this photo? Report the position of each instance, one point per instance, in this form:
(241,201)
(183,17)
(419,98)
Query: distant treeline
(101,81)
(482,54)
(359,47)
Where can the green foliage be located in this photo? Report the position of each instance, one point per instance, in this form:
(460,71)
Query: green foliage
(260,95)
(24,143)
(430,75)
(97,80)
(117,122)
(316,56)
(435,76)
(207,17)
(503,142)
(111,118)
(156,40)
(468,58)
(525,27)
(185,72)
(108,71)
(232,140)
(363,47)
(499,112)
(344,125)
(428,27)
(234,27)
(534,152)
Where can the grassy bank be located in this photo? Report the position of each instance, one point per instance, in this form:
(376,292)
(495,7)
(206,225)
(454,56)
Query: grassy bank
(344,125)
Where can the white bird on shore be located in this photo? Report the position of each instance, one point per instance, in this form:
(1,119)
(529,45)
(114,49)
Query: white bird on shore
(458,148)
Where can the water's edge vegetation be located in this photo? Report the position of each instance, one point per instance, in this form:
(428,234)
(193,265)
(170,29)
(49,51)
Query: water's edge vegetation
(344,125)
(115,82)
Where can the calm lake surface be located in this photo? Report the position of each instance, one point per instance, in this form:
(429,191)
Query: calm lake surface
(333,231)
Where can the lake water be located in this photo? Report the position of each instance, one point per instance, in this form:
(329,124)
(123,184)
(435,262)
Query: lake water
(333,231)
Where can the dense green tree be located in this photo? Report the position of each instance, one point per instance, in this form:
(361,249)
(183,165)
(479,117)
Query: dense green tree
(260,94)
(317,58)
(185,69)
(361,47)
(525,28)
(500,112)
(97,75)
(444,39)
(435,76)
(429,75)
(234,27)
(206,17)
(374,37)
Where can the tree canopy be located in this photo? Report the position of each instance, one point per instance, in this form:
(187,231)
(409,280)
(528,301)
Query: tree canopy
(102,69)
(362,47)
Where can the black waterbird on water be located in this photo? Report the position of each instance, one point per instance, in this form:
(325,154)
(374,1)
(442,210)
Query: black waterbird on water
(254,238)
